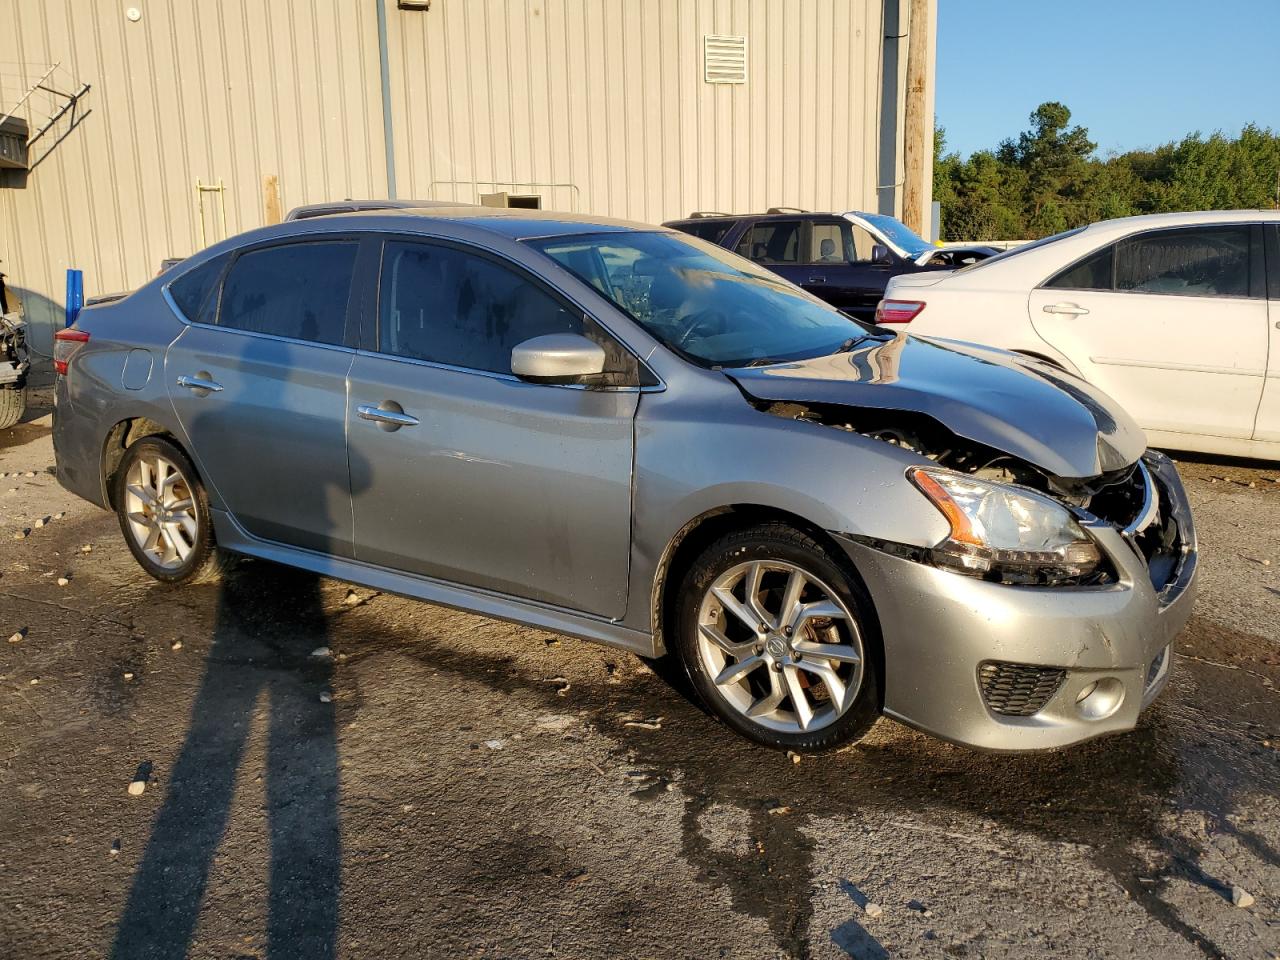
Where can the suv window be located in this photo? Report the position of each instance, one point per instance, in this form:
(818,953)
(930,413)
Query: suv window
(445,305)
(838,241)
(295,290)
(1091,273)
(713,231)
(1199,262)
(774,241)
(192,291)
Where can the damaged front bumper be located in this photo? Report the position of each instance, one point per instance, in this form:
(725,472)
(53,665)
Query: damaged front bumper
(1014,668)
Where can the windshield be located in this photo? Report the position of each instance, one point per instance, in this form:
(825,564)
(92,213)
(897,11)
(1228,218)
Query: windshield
(898,233)
(702,301)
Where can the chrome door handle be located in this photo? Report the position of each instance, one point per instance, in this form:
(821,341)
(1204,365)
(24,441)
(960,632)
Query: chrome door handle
(817,279)
(394,418)
(1066,309)
(198,383)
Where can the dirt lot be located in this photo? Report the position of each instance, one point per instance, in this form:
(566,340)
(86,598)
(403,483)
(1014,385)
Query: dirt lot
(440,785)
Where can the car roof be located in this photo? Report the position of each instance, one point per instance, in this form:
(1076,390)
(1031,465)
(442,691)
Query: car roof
(1154,220)
(514,223)
(788,215)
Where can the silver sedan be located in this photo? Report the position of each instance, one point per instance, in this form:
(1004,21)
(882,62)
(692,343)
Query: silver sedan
(625,434)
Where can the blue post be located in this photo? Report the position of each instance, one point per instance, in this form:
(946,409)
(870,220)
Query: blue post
(75,294)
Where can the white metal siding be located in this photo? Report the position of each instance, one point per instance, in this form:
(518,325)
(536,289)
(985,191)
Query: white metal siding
(596,105)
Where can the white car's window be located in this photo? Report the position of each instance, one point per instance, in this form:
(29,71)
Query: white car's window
(1201,262)
(1019,251)
(1094,272)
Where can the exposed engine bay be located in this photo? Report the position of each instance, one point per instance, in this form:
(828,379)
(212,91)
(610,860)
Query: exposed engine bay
(1120,497)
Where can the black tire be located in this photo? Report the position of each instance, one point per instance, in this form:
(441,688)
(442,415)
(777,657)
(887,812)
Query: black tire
(13,403)
(780,542)
(205,562)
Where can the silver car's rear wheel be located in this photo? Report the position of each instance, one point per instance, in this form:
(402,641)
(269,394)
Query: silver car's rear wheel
(780,646)
(164,512)
(161,510)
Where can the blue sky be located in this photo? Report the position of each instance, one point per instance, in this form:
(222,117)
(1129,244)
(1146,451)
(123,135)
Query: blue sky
(1136,73)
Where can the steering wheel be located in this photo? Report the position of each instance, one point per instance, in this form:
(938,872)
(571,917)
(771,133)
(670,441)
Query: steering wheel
(703,318)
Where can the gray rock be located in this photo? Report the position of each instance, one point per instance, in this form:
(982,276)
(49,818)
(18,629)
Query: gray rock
(873,909)
(1241,897)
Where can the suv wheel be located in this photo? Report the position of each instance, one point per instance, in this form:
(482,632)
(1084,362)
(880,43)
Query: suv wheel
(778,640)
(164,512)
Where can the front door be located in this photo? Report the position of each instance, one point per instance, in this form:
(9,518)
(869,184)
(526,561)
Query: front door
(1171,323)
(468,474)
(839,267)
(260,390)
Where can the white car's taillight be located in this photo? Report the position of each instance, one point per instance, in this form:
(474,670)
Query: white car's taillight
(898,311)
(65,345)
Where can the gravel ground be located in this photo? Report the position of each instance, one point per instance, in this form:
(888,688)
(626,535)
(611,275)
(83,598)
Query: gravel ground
(434,784)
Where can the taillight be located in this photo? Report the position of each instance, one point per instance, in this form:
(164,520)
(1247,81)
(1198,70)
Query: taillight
(65,345)
(898,311)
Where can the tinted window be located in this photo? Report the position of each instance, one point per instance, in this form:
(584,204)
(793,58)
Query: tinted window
(193,291)
(712,231)
(445,305)
(298,291)
(777,241)
(1203,262)
(1091,273)
(702,301)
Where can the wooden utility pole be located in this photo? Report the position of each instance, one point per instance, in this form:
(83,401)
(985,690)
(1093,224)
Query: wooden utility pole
(270,199)
(915,145)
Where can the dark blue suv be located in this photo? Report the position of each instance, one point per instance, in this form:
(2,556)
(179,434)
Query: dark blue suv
(844,258)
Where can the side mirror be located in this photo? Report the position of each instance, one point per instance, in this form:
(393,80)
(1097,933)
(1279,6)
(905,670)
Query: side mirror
(880,254)
(557,358)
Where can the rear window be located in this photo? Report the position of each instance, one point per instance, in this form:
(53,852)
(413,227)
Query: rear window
(1091,273)
(193,291)
(775,241)
(296,290)
(713,231)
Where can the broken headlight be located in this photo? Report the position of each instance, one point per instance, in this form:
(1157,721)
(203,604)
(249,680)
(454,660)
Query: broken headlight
(1005,533)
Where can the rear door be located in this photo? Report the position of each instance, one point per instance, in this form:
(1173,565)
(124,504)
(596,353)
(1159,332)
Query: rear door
(490,482)
(258,383)
(776,245)
(1171,323)
(1267,426)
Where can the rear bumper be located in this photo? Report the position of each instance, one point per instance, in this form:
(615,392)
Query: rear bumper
(940,628)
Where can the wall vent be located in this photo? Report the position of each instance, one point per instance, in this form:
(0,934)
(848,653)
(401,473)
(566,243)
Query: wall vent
(724,59)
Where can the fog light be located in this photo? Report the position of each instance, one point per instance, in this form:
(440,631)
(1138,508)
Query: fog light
(1100,699)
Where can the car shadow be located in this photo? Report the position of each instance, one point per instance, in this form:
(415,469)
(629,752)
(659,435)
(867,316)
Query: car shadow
(261,651)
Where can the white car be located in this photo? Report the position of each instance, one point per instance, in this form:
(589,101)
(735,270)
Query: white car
(1176,316)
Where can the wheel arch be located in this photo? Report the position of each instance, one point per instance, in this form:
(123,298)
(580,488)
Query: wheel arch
(122,435)
(701,531)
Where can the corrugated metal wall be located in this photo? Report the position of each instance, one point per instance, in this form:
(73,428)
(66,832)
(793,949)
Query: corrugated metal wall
(600,105)
(225,91)
(595,105)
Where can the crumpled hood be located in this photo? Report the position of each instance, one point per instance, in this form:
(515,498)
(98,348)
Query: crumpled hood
(1024,407)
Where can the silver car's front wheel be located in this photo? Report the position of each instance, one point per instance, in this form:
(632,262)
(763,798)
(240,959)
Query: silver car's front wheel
(774,634)
(780,645)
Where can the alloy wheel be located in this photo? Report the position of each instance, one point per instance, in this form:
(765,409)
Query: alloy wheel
(780,646)
(161,511)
